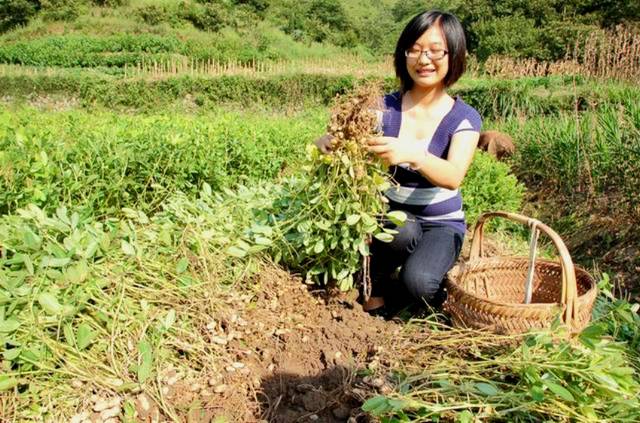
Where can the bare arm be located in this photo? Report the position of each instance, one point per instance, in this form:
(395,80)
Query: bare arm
(447,173)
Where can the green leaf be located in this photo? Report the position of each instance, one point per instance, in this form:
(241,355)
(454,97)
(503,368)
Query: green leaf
(262,229)
(28,264)
(146,360)
(260,240)
(169,319)
(591,335)
(182,265)
(558,390)
(127,248)
(31,240)
(9,325)
(49,303)
(7,383)
(384,237)
(54,261)
(376,405)
(84,336)
(318,247)
(206,189)
(487,389)
(464,417)
(236,252)
(397,217)
(363,248)
(69,335)
(352,219)
(77,274)
(12,353)
(537,393)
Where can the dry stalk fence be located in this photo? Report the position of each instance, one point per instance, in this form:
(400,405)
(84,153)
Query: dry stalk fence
(184,66)
(181,66)
(613,54)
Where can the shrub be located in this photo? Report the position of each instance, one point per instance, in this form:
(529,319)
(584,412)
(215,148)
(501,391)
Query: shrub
(111,3)
(489,186)
(152,14)
(60,10)
(16,12)
(208,17)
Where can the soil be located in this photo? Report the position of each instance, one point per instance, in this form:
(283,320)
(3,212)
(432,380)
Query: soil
(295,355)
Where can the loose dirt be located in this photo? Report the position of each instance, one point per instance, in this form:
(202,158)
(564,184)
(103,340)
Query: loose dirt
(291,355)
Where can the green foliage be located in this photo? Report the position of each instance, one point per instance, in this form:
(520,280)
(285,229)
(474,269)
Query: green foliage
(489,185)
(16,12)
(113,161)
(320,21)
(211,16)
(279,91)
(320,221)
(154,14)
(60,10)
(514,36)
(68,283)
(542,29)
(594,153)
(111,3)
(542,378)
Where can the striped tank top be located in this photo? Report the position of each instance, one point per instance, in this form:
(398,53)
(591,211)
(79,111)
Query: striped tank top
(414,193)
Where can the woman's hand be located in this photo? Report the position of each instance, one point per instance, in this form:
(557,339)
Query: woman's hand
(394,151)
(324,143)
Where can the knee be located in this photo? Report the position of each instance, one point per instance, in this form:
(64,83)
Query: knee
(407,237)
(423,286)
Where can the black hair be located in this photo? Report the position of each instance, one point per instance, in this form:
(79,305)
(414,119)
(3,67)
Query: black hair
(453,34)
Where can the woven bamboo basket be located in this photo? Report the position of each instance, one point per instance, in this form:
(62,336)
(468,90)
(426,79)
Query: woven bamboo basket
(514,294)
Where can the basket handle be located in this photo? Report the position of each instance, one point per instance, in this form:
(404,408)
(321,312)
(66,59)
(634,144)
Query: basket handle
(569,286)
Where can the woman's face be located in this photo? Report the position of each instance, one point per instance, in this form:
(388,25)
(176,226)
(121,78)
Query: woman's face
(426,72)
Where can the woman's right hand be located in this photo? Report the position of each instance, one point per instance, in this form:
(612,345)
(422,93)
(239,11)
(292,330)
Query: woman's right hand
(324,143)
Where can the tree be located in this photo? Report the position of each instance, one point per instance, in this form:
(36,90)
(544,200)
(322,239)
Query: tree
(16,12)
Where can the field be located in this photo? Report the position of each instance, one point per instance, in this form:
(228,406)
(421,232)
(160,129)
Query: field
(173,248)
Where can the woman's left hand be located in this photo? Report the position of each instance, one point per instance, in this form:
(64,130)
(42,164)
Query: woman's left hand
(394,151)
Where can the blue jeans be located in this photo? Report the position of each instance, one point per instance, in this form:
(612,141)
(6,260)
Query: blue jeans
(425,251)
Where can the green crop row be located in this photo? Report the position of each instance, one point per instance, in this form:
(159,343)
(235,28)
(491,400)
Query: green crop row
(494,99)
(279,91)
(76,50)
(103,162)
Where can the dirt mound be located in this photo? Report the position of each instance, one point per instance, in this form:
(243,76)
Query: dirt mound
(291,355)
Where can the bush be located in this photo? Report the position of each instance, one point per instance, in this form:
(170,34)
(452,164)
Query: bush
(489,186)
(16,12)
(60,10)
(153,14)
(210,17)
(111,3)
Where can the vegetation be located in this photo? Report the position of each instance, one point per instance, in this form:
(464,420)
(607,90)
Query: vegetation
(180,171)
(463,374)
(101,163)
(544,30)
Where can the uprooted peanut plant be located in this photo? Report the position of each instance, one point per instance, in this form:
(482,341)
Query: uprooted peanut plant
(322,218)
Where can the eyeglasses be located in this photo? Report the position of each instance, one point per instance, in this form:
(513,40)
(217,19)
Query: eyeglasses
(415,54)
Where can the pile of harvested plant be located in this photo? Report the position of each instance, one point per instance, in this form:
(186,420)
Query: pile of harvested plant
(322,219)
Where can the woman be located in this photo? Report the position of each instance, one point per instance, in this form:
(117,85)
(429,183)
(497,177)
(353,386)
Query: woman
(429,141)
